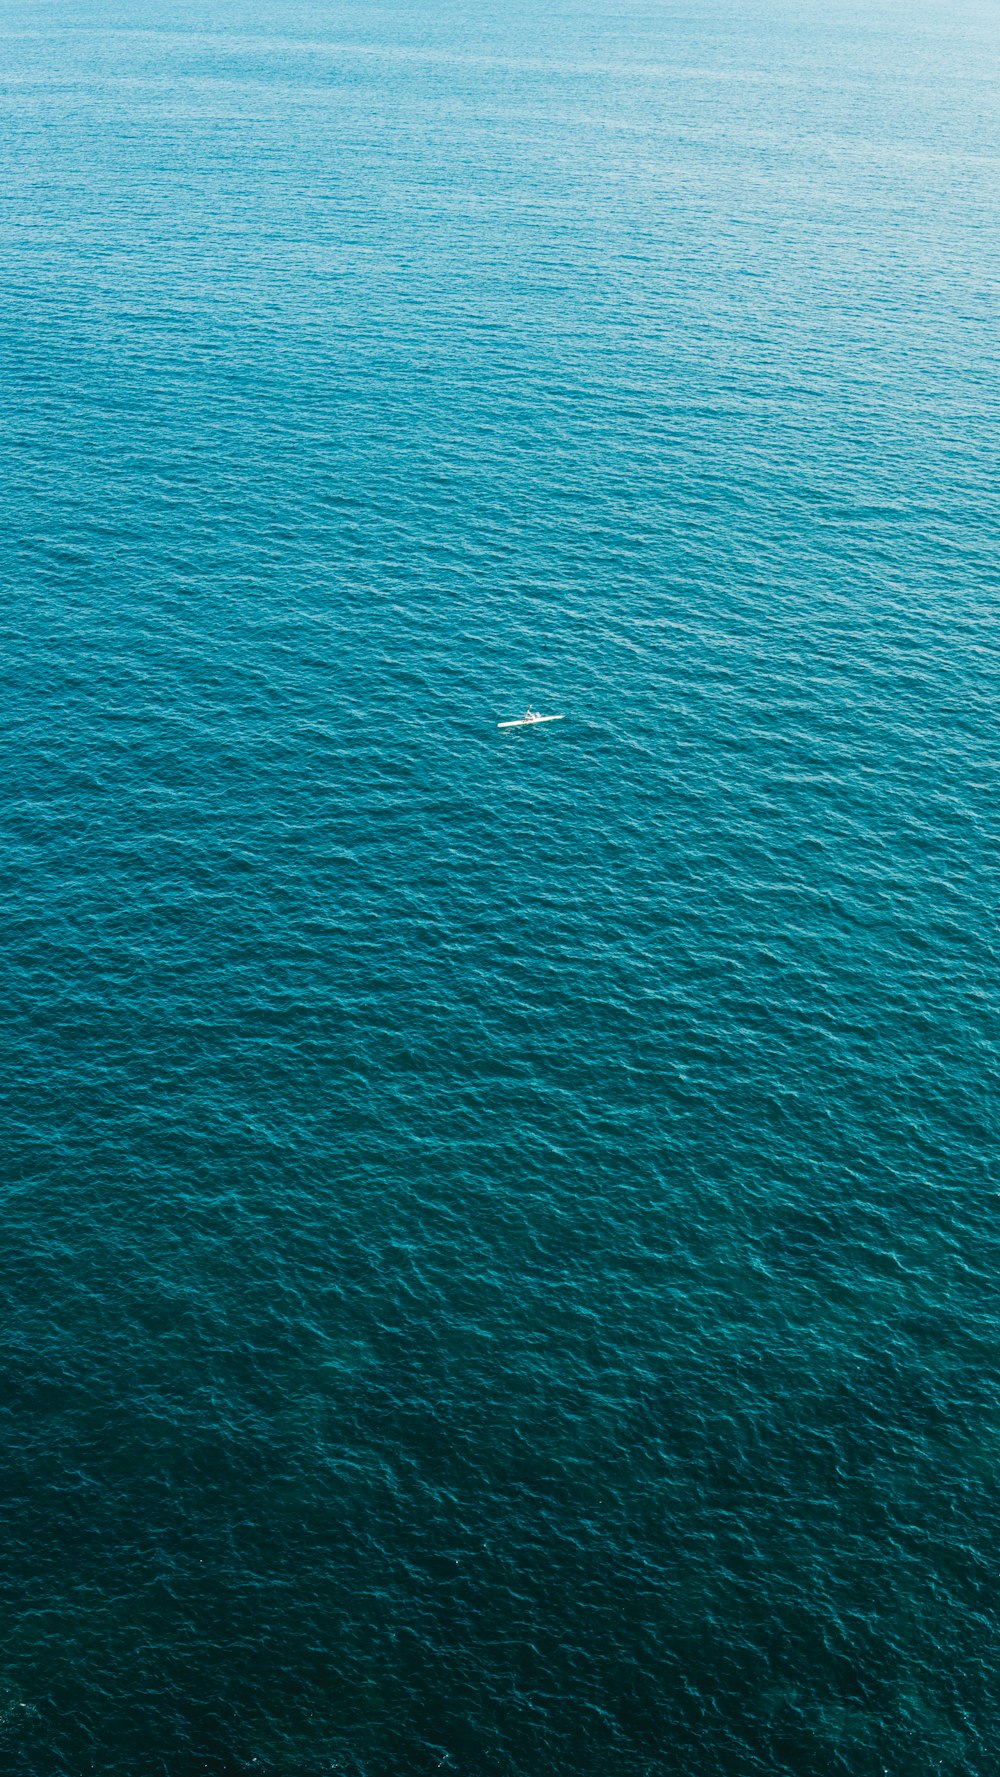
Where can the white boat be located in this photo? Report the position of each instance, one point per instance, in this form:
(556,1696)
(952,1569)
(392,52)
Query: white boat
(529,719)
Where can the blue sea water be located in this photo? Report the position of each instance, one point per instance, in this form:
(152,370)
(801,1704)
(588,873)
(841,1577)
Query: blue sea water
(500,1230)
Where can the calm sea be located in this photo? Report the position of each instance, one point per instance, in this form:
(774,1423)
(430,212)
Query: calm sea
(500,1250)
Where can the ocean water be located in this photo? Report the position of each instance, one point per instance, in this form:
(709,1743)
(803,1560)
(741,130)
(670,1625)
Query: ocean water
(500,1230)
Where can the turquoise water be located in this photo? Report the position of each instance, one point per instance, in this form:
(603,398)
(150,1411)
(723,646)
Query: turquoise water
(500,1239)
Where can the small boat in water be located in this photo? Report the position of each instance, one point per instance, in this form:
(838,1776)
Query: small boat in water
(529,719)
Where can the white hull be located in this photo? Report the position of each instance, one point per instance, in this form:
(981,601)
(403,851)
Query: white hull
(530,721)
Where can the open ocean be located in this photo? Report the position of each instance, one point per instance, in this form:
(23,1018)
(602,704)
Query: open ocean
(500,1230)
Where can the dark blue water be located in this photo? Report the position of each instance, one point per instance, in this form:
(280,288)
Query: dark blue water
(500,1230)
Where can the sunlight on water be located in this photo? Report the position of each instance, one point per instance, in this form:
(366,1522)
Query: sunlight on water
(500,1237)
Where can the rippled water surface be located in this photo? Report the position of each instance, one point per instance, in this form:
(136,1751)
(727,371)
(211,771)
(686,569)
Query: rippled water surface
(500,1237)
